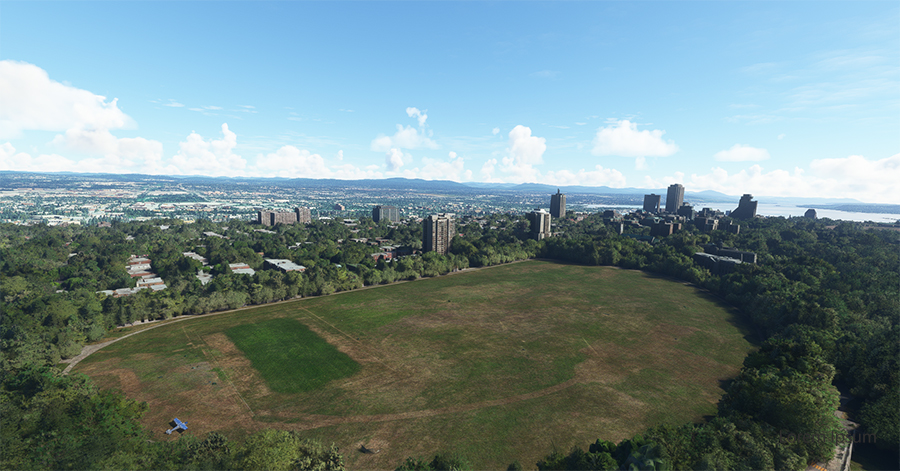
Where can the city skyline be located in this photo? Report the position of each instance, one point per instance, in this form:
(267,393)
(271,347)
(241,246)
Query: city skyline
(738,98)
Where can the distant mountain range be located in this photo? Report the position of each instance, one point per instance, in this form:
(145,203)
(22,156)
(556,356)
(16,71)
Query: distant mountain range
(11,180)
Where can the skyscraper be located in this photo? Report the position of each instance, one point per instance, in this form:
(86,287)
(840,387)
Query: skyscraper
(674,198)
(438,232)
(540,224)
(388,213)
(746,208)
(558,205)
(651,203)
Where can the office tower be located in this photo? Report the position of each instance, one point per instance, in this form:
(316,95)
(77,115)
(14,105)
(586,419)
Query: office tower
(540,224)
(304,215)
(558,205)
(651,203)
(388,213)
(438,232)
(746,208)
(674,198)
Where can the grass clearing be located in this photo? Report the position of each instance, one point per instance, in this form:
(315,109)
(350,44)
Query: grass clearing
(499,364)
(290,357)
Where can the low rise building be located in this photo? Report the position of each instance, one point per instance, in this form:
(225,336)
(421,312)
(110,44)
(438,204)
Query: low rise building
(284,265)
(241,269)
(717,265)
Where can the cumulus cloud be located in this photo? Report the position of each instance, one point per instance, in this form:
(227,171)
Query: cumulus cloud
(523,153)
(742,153)
(135,154)
(197,156)
(525,148)
(876,179)
(291,162)
(599,176)
(393,160)
(487,171)
(32,101)
(406,137)
(414,112)
(495,131)
(871,181)
(435,169)
(622,138)
(22,161)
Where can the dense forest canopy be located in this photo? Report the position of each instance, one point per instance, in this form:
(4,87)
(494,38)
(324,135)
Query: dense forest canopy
(823,298)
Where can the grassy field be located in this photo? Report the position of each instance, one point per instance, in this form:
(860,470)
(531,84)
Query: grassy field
(498,364)
(290,357)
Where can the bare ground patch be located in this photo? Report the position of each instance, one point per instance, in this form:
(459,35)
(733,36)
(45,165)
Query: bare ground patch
(236,366)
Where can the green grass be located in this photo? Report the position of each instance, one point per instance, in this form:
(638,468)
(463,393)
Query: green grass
(290,357)
(633,348)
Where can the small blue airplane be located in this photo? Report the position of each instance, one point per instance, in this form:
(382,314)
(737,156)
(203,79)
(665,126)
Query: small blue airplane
(179,425)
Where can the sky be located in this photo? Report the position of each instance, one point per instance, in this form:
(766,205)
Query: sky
(768,98)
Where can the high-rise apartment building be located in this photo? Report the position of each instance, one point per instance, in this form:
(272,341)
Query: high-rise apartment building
(558,205)
(304,215)
(674,198)
(438,232)
(387,213)
(270,218)
(746,208)
(540,224)
(651,203)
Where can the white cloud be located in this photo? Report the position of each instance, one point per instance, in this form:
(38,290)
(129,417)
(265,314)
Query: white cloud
(173,104)
(434,169)
(129,154)
(598,177)
(420,115)
(31,101)
(781,136)
(742,153)
(23,162)
(291,162)
(406,137)
(856,175)
(495,131)
(394,159)
(523,153)
(623,139)
(197,156)
(340,155)
(871,181)
(525,148)
(487,171)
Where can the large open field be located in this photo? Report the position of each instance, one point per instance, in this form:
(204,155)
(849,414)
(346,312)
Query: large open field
(497,364)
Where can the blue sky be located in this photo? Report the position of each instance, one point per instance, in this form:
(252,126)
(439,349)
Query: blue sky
(770,98)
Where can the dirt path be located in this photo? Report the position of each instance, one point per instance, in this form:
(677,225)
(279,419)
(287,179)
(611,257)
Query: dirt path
(87,350)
